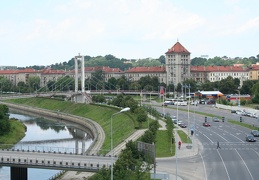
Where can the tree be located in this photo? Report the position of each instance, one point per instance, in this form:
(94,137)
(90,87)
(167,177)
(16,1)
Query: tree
(148,137)
(5,125)
(255,89)
(34,83)
(227,86)
(198,61)
(141,115)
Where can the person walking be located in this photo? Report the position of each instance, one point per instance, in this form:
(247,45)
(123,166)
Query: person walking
(179,144)
(218,147)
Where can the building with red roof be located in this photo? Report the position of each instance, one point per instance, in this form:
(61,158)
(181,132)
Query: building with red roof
(217,73)
(177,64)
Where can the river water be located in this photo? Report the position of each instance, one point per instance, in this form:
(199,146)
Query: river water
(48,135)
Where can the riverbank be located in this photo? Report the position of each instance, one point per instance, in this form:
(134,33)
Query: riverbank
(16,133)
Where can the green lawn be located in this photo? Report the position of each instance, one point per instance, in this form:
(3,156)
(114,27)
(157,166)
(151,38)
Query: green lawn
(163,145)
(16,133)
(123,124)
(249,126)
(184,137)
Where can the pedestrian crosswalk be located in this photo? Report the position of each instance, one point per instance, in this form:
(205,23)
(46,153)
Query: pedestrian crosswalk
(231,146)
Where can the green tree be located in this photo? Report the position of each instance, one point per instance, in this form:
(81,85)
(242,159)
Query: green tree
(5,125)
(34,83)
(255,89)
(141,115)
(148,137)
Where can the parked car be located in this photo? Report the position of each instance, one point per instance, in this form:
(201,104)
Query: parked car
(215,119)
(202,102)
(183,125)
(255,133)
(239,112)
(250,138)
(206,124)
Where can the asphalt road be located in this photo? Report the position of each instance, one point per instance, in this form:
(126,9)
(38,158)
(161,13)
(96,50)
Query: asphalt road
(236,159)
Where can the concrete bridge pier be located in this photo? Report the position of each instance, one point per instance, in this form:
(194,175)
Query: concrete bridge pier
(19,173)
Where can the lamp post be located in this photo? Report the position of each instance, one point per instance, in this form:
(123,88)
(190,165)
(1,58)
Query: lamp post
(112,152)
(238,98)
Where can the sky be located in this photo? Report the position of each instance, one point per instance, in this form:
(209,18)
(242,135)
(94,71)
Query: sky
(45,32)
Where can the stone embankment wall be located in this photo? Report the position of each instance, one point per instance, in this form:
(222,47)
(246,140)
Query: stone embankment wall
(96,130)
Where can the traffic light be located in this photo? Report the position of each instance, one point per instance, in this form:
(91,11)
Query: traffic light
(205,118)
(240,119)
(223,119)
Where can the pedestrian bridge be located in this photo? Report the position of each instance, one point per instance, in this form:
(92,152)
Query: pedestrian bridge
(20,160)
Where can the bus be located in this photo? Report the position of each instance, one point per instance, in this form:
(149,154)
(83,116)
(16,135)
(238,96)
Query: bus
(180,103)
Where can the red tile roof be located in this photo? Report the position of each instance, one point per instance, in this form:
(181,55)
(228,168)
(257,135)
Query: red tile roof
(17,71)
(177,48)
(217,69)
(155,69)
(254,67)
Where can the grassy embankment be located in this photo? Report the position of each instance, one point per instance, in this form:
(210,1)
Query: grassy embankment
(16,133)
(123,124)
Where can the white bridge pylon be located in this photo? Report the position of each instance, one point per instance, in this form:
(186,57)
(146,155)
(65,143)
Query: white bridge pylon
(82,59)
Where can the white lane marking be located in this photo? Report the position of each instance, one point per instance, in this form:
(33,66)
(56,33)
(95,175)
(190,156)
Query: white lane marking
(256,152)
(205,173)
(245,164)
(208,138)
(223,164)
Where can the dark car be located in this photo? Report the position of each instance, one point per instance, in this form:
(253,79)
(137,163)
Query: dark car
(202,102)
(206,124)
(183,125)
(250,138)
(233,111)
(255,133)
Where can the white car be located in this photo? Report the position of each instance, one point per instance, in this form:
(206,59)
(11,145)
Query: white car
(239,112)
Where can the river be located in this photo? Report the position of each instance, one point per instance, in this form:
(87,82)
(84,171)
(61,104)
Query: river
(48,135)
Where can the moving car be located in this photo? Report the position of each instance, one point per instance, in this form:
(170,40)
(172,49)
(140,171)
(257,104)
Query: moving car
(183,125)
(206,124)
(255,133)
(215,119)
(180,122)
(250,138)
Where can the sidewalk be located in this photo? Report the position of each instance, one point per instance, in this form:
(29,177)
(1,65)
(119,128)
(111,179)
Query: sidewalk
(184,151)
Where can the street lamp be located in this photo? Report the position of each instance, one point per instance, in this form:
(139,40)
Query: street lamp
(238,98)
(112,152)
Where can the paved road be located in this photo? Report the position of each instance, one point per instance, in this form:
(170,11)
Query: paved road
(237,159)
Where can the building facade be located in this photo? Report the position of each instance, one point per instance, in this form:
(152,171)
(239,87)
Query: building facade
(176,70)
(177,64)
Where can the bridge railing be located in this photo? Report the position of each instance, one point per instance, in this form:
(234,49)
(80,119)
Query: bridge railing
(52,164)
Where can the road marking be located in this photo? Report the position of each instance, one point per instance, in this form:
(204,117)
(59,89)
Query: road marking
(245,165)
(208,138)
(223,164)
(205,173)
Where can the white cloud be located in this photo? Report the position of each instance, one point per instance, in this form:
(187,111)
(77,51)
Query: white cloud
(252,24)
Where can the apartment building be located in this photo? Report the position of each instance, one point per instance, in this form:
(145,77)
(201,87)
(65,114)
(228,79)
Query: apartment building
(134,74)
(254,72)
(217,73)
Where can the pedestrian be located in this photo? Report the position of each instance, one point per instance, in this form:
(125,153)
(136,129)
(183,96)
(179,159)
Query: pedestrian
(218,147)
(179,144)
